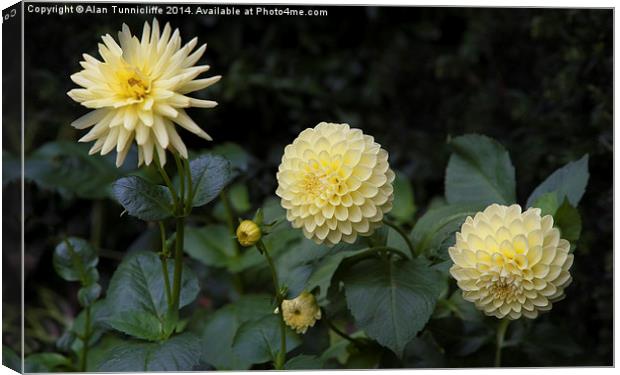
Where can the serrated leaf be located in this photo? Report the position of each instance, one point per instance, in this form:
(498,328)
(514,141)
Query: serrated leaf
(210,174)
(570,181)
(259,341)
(391,300)
(567,218)
(178,353)
(404,202)
(68,168)
(137,289)
(479,170)
(74,259)
(435,229)
(143,199)
(548,203)
(219,331)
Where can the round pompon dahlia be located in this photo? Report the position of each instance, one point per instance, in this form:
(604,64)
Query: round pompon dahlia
(335,183)
(509,263)
(138,92)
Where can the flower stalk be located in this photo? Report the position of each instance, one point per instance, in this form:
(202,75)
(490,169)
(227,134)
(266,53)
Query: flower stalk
(499,340)
(279,363)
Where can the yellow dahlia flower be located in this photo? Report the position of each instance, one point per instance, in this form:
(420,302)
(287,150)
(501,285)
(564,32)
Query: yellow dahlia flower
(248,233)
(301,312)
(509,263)
(335,183)
(138,92)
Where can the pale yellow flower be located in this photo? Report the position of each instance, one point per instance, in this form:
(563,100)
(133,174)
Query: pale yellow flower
(335,183)
(301,312)
(509,263)
(248,233)
(138,92)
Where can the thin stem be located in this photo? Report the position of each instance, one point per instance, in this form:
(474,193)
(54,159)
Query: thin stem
(230,222)
(178,263)
(365,253)
(167,181)
(402,233)
(340,333)
(279,363)
(85,341)
(164,263)
(501,333)
(181,171)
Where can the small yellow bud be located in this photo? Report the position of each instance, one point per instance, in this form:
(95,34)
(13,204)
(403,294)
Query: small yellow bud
(248,233)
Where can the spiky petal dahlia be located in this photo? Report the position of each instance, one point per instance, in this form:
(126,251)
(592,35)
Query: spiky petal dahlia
(138,93)
(335,183)
(509,263)
(301,312)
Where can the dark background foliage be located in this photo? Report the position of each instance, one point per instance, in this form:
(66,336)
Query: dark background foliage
(537,80)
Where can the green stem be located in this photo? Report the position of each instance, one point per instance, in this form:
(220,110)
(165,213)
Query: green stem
(501,333)
(340,333)
(181,171)
(279,363)
(164,263)
(178,263)
(402,234)
(365,253)
(85,341)
(230,222)
(167,181)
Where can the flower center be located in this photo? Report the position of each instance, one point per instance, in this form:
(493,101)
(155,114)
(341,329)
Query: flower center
(502,289)
(133,84)
(312,184)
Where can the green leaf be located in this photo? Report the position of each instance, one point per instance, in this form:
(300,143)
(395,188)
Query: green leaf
(210,174)
(548,203)
(179,353)
(479,170)
(307,266)
(565,216)
(67,167)
(136,297)
(259,341)
(304,362)
(570,181)
(404,203)
(391,300)
(219,331)
(212,245)
(46,362)
(74,259)
(323,271)
(143,199)
(89,294)
(568,220)
(434,232)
